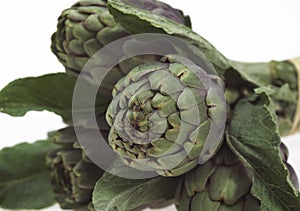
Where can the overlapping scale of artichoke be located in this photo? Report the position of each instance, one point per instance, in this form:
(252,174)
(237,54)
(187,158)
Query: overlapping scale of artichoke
(223,183)
(292,174)
(87,26)
(73,175)
(161,115)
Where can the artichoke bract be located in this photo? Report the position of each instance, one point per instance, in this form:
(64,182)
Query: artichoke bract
(223,183)
(284,153)
(73,175)
(162,115)
(87,26)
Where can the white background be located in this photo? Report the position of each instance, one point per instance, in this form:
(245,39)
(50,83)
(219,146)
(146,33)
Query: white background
(250,30)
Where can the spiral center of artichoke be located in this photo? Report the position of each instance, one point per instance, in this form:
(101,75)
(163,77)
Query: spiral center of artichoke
(140,110)
(146,116)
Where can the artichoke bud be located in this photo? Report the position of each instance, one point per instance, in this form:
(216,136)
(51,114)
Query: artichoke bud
(284,153)
(162,9)
(73,176)
(87,26)
(161,115)
(222,183)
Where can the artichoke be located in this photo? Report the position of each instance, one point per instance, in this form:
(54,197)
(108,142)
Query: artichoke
(87,26)
(73,175)
(162,116)
(284,156)
(223,183)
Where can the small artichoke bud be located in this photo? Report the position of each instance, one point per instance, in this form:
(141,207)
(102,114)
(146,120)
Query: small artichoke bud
(73,175)
(284,153)
(87,26)
(223,183)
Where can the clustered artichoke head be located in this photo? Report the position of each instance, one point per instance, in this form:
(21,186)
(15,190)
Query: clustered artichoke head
(161,115)
(87,26)
(223,183)
(73,175)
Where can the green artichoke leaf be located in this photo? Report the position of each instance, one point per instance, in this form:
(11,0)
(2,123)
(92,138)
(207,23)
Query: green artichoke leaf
(116,193)
(253,137)
(277,79)
(51,92)
(24,178)
(284,93)
(262,74)
(277,73)
(255,73)
(137,20)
